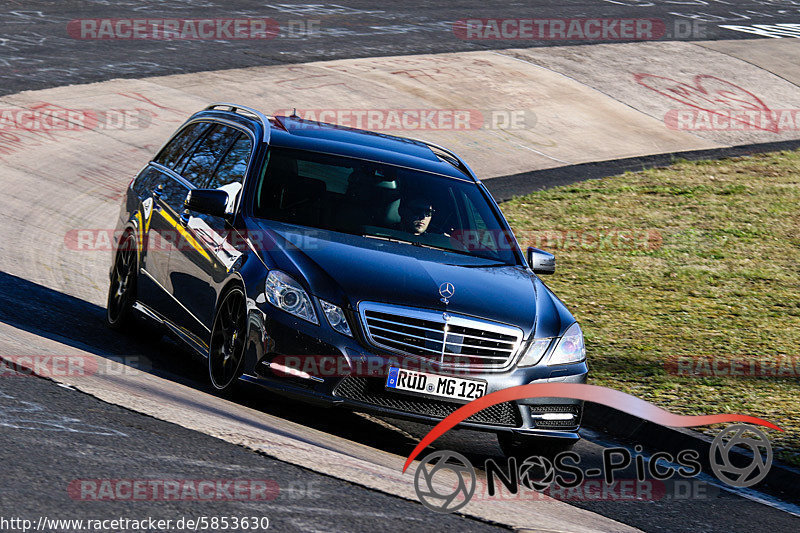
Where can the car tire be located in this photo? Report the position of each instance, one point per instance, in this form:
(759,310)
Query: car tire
(226,349)
(122,287)
(524,446)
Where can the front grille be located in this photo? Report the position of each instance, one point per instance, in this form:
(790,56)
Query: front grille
(447,339)
(565,425)
(372,392)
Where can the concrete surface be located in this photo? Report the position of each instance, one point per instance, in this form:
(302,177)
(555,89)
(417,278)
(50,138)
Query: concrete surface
(778,56)
(659,78)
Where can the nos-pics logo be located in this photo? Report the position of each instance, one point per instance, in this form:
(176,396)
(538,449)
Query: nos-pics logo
(445,481)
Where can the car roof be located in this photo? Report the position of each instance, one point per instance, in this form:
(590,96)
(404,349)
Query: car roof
(296,133)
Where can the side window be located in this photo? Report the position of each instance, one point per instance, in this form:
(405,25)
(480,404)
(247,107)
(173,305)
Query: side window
(233,166)
(173,152)
(144,181)
(230,171)
(174,193)
(204,159)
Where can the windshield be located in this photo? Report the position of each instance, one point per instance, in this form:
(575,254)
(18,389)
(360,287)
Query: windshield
(381,201)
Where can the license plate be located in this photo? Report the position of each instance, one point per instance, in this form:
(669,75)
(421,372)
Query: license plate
(435,385)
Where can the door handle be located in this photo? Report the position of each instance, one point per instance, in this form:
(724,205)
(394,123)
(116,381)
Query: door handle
(185,216)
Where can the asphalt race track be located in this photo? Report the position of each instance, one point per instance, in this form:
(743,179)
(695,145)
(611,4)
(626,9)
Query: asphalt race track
(36,50)
(157,419)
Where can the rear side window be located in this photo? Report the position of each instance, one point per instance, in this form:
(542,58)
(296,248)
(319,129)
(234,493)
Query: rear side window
(204,159)
(233,166)
(177,147)
(231,170)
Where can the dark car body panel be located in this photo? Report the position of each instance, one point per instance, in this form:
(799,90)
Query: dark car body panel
(373,270)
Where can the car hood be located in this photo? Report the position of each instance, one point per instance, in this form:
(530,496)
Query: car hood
(348,269)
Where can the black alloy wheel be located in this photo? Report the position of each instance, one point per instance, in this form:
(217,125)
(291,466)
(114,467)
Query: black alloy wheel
(122,289)
(226,349)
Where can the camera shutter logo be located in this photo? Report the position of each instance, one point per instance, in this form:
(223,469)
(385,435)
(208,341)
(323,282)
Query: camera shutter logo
(537,465)
(449,494)
(720,455)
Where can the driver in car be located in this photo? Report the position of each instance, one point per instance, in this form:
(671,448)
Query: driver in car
(415,215)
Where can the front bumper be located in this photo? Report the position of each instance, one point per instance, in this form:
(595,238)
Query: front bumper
(274,335)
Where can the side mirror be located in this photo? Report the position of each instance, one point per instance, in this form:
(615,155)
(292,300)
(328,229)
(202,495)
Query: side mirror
(541,262)
(212,202)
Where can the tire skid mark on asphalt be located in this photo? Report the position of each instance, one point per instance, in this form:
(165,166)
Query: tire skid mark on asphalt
(21,414)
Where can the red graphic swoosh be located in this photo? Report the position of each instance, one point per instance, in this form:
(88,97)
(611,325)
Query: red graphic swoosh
(711,94)
(578,391)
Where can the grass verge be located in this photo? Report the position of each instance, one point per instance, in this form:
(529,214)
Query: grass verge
(686,282)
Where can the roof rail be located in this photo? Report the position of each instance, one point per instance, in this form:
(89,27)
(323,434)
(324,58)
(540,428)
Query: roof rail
(451,158)
(235,108)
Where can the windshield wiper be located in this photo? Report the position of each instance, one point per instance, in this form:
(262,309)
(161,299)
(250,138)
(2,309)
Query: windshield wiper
(390,239)
(414,243)
(432,247)
(490,265)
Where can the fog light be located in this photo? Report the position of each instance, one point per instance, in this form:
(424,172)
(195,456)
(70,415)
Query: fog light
(554,416)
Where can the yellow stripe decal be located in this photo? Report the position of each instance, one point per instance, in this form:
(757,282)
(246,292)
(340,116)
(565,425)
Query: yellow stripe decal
(185,234)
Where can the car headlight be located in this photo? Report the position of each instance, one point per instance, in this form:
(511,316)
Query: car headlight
(286,294)
(535,351)
(336,318)
(570,348)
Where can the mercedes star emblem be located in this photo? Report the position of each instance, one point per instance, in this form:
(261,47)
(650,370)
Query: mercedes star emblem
(446,291)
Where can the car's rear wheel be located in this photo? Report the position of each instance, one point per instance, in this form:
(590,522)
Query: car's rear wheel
(228,336)
(524,446)
(122,289)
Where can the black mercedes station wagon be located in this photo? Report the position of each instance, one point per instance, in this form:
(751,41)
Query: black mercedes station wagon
(347,268)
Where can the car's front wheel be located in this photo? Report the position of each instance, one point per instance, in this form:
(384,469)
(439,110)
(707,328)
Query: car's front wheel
(122,289)
(524,446)
(228,336)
